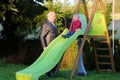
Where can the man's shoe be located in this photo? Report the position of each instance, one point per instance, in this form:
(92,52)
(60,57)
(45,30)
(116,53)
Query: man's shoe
(48,75)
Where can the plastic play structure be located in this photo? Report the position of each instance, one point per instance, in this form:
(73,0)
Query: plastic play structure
(94,27)
(93,32)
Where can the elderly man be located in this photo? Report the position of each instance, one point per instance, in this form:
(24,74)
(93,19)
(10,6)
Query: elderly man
(49,31)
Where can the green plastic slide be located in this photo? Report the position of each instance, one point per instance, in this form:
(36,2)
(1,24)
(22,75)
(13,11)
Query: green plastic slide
(49,58)
(83,21)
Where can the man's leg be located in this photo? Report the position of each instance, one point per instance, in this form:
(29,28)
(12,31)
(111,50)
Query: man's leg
(48,74)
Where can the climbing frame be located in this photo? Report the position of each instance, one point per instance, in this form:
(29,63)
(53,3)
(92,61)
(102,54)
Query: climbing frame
(95,30)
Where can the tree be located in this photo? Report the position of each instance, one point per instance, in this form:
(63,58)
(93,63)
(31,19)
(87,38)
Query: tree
(21,18)
(17,17)
(61,11)
(108,12)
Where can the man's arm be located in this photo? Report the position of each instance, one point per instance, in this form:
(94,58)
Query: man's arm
(43,35)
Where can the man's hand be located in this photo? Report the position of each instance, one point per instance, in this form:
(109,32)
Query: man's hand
(44,48)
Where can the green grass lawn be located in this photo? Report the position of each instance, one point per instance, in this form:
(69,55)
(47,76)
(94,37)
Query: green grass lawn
(7,72)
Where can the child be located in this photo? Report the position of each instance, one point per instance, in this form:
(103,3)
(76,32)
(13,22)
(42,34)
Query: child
(75,24)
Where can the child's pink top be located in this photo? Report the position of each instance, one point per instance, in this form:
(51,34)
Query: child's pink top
(76,24)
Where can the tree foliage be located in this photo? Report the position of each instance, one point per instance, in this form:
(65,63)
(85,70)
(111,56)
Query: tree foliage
(16,17)
(61,12)
(20,18)
(108,13)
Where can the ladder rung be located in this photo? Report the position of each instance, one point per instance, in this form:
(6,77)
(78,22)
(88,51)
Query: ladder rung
(102,48)
(103,55)
(100,36)
(102,41)
(105,70)
(107,63)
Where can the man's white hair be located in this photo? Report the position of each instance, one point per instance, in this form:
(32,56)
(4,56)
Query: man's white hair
(50,13)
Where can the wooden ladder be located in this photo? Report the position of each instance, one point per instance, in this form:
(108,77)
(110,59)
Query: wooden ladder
(103,54)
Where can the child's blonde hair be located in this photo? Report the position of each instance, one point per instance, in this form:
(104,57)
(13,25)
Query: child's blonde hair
(76,16)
